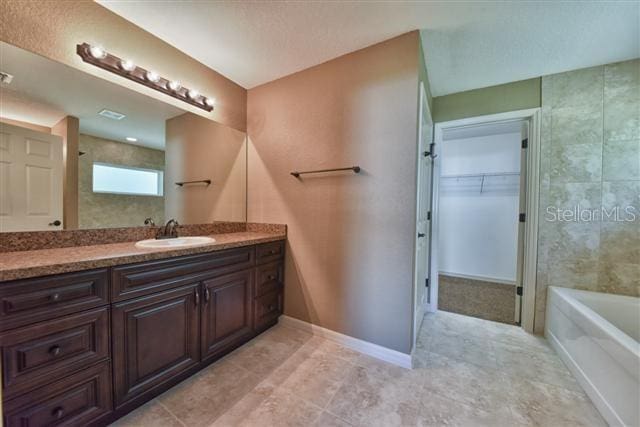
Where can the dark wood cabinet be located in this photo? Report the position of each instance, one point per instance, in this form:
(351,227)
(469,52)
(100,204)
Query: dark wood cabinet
(87,347)
(226,312)
(77,400)
(267,309)
(37,354)
(135,280)
(155,338)
(27,301)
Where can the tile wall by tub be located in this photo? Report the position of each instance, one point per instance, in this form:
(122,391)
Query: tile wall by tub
(591,158)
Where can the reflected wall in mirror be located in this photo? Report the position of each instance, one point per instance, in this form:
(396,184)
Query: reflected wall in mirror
(77,151)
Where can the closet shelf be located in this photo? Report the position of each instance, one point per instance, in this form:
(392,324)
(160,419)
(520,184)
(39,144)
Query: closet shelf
(502,181)
(480,175)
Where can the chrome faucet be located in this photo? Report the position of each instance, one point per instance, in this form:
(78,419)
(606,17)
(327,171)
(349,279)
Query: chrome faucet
(169,231)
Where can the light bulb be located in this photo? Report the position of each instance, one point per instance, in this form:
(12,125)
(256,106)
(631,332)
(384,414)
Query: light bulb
(193,94)
(127,65)
(153,77)
(174,85)
(98,52)
(210,101)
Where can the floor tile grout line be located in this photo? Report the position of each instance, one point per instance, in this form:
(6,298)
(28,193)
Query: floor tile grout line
(170,413)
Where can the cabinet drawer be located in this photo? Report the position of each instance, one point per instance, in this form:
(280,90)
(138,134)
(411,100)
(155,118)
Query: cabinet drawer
(267,309)
(269,252)
(35,355)
(149,277)
(32,300)
(269,278)
(76,400)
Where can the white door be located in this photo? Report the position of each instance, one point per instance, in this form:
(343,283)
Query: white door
(423,208)
(30,180)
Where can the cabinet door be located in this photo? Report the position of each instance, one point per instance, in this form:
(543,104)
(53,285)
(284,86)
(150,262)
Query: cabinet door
(226,312)
(155,338)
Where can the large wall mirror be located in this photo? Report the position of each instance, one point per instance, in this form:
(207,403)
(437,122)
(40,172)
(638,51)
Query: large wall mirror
(77,151)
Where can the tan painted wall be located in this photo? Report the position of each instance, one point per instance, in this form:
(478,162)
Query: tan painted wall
(196,149)
(349,262)
(115,210)
(54,28)
(590,157)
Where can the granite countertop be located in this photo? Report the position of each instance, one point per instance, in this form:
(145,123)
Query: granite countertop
(24,264)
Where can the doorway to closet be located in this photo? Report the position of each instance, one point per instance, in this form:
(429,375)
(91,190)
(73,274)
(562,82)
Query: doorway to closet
(480,208)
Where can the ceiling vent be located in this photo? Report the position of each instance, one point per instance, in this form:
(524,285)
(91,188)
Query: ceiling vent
(113,115)
(6,78)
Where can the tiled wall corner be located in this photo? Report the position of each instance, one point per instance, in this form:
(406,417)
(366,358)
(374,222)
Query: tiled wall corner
(590,140)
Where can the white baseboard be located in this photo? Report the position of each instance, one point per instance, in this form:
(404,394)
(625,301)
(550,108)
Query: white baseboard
(607,412)
(364,347)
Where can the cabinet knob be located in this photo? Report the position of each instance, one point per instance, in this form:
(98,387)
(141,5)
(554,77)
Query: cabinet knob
(271,277)
(197,297)
(54,297)
(58,412)
(55,350)
(206,294)
(271,307)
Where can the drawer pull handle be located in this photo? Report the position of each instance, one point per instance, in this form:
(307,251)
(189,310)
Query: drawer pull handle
(272,307)
(54,297)
(197,297)
(273,252)
(58,412)
(271,277)
(206,294)
(55,350)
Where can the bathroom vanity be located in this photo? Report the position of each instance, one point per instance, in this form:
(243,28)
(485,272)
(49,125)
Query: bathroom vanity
(86,347)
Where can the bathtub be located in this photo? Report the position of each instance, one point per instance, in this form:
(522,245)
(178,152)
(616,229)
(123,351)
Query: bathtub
(598,337)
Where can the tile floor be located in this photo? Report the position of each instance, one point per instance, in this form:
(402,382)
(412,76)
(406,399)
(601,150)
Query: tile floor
(469,372)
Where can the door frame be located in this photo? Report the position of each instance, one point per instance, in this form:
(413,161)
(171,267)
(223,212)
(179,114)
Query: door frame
(530,260)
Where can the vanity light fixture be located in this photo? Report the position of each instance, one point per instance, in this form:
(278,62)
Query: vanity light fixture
(127,65)
(193,94)
(96,55)
(98,52)
(174,85)
(152,76)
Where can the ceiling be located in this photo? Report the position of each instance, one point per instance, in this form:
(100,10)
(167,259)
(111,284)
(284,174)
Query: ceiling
(44,91)
(468,44)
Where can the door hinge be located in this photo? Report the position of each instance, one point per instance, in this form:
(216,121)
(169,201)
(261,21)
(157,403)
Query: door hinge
(519,291)
(431,152)
(429,216)
(525,143)
(522,217)
(426,282)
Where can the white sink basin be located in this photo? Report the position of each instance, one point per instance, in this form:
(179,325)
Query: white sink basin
(178,242)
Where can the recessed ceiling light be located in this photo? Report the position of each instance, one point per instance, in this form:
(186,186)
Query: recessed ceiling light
(132,139)
(113,115)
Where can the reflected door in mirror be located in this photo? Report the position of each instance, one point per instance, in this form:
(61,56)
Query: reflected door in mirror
(30,180)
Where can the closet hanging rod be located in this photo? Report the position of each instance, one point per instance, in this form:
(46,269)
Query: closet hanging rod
(200,181)
(355,169)
(480,175)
